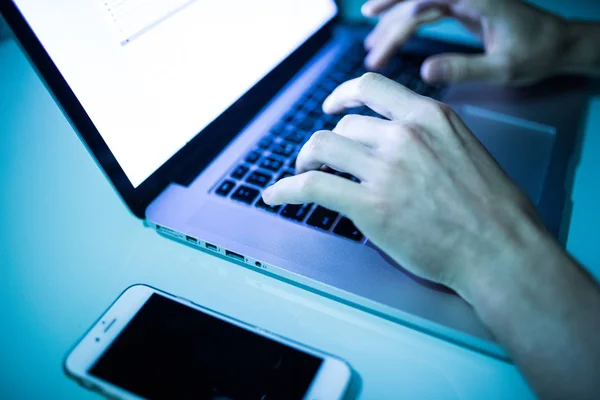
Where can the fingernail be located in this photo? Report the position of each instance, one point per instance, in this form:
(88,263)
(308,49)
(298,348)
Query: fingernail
(327,106)
(436,72)
(371,62)
(367,10)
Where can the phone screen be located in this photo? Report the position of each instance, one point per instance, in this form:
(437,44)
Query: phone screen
(169,350)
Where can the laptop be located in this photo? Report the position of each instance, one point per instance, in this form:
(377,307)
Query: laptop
(191,108)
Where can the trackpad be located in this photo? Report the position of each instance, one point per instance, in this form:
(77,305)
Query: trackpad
(523,148)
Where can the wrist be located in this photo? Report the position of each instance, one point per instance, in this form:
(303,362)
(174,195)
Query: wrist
(532,262)
(508,257)
(581,53)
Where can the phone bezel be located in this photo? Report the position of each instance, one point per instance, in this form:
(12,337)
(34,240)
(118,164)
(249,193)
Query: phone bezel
(331,381)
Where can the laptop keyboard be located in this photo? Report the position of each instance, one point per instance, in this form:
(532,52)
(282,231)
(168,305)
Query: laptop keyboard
(274,156)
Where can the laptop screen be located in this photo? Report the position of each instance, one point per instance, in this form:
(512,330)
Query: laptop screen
(151,74)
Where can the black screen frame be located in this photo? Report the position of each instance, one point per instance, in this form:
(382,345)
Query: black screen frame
(190,160)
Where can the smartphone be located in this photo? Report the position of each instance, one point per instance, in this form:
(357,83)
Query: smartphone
(152,345)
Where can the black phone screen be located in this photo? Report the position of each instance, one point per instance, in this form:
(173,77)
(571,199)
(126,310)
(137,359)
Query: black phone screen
(169,350)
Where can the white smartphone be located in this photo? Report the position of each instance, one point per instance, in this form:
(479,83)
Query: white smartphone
(153,345)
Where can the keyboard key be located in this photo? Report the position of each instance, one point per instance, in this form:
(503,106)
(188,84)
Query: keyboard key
(261,204)
(322,218)
(253,157)
(295,137)
(329,122)
(318,96)
(289,117)
(284,149)
(245,194)
(328,125)
(306,125)
(338,77)
(272,164)
(309,105)
(259,179)
(286,174)
(240,172)
(265,143)
(299,114)
(345,67)
(296,212)
(288,130)
(315,114)
(327,85)
(347,229)
(225,188)
(278,128)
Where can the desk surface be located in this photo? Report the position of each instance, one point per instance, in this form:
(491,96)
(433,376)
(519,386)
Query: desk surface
(68,247)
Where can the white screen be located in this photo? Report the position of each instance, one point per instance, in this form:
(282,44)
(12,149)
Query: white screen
(151,74)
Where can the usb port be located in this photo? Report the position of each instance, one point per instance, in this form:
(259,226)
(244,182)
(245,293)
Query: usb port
(191,239)
(210,246)
(234,255)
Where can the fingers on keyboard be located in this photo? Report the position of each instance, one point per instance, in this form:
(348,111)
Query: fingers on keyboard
(278,149)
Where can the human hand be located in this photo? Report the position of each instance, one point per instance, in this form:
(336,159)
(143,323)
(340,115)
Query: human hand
(523,44)
(430,195)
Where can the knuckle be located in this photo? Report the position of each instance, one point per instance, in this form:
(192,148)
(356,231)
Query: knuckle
(395,138)
(367,80)
(437,111)
(309,182)
(401,136)
(318,140)
(346,121)
(433,110)
(445,110)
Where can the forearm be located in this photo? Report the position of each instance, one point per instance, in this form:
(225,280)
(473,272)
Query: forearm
(582,55)
(545,310)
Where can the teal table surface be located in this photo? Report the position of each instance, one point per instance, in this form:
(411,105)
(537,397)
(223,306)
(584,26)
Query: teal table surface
(68,247)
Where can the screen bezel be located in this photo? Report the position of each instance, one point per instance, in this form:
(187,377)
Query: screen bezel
(190,160)
(332,379)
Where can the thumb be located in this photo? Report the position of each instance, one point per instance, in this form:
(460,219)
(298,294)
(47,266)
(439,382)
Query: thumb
(447,68)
